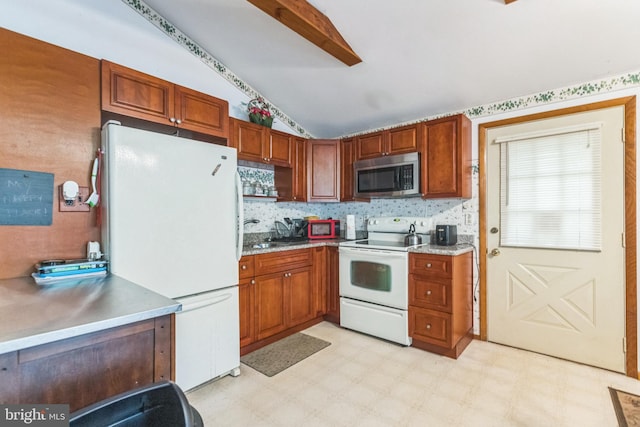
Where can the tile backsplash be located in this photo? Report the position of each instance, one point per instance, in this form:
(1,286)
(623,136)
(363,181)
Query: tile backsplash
(460,212)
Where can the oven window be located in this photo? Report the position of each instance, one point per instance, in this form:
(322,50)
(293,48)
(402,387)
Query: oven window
(371,275)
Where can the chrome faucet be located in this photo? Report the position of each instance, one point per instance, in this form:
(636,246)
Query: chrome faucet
(251,221)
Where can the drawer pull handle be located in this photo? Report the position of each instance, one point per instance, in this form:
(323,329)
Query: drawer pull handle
(428,293)
(428,325)
(428,265)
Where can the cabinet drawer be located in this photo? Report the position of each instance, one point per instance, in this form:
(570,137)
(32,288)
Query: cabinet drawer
(246,267)
(282,261)
(432,265)
(430,293)
(430,326)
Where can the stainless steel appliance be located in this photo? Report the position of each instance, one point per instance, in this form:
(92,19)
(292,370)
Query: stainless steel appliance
(374,278)
(388,176)
(173,224)
(446,235)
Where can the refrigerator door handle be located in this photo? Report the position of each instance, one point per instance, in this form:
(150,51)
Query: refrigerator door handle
(239,217)
(187,306)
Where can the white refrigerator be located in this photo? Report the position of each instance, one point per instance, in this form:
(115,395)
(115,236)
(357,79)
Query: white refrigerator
(173,223)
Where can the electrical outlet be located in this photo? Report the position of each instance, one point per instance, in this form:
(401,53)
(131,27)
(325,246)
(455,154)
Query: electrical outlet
(78,205)
(468,219)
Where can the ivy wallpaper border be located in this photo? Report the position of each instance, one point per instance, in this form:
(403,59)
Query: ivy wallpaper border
(623,81)
(179,37)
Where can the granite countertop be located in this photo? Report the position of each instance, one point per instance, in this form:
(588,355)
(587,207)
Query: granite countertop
(289,246)
(31,314)
(453,250)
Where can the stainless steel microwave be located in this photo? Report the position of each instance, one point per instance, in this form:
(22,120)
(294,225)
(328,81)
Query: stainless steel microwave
(387,176)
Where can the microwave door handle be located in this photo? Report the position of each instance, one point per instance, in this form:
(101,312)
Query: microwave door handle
(397,185)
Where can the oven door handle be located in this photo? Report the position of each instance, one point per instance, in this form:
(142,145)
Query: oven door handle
(373,252)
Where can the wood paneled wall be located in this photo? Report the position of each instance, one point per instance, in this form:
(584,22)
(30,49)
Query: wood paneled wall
(49,122)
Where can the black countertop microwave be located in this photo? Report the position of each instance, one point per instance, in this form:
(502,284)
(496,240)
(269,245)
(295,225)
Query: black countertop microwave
(387,176)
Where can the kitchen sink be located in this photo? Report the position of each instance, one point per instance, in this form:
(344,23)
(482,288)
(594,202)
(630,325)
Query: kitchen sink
(264,245)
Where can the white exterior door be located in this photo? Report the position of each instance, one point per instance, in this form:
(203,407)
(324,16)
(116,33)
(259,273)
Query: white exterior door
(543,294)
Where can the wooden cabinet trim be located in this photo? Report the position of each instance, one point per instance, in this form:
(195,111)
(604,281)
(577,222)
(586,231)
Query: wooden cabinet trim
(57,347)
(281,261)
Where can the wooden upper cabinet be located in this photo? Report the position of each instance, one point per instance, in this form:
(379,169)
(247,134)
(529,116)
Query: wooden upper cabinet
(249,139)
(347,157)
(370,146)
(299,190)
(258,143)
(279,148)
(135,94)
(446,158)
(405,139)
(323,170)
(200,112)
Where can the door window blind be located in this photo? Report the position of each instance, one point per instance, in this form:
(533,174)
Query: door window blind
(550,189)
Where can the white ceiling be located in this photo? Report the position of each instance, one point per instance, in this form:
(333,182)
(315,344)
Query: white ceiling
(421,58)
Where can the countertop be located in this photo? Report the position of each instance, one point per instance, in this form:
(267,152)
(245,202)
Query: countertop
(31,315)
(453,250)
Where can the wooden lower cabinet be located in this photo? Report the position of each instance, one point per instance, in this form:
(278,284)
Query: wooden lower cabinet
(89,368)
(441,302)
(333,287)
(279,298)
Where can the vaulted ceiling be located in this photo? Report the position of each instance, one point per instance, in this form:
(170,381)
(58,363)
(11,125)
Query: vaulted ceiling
(420,58)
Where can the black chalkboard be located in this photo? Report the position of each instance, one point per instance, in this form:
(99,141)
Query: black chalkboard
(26,197)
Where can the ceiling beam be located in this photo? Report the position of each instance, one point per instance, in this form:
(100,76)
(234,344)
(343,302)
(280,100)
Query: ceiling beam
(311,24)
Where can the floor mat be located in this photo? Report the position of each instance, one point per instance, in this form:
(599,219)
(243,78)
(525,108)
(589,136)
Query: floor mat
(282,354)
(627,407)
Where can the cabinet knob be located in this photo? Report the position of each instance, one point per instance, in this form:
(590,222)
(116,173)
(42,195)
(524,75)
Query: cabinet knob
(428,325)
(172,119)
(244,267)
(178,121)
(253,282)
(428,292)
(428,265)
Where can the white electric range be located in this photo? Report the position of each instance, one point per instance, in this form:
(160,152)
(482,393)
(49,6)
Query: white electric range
(374,278)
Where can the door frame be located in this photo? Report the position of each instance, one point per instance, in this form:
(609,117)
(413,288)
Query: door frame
(631,284)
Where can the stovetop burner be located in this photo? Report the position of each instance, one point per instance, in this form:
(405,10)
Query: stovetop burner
(388,233)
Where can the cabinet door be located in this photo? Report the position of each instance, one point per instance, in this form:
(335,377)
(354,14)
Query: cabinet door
(247,304)
(333,289)
(446,165)
(347,157)
(201,113)
(135,94)
(323,170)
(279,148)
(403,139)
(249,139)
(370,146)
(271,316)
(299,181)
(301,305)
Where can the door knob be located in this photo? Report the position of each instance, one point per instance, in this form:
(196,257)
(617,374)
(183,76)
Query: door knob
(494,230)
(495,252)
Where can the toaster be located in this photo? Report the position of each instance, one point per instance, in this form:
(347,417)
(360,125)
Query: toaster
(446,235)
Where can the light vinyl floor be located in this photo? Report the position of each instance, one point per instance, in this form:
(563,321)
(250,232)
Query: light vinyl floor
(363,381)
